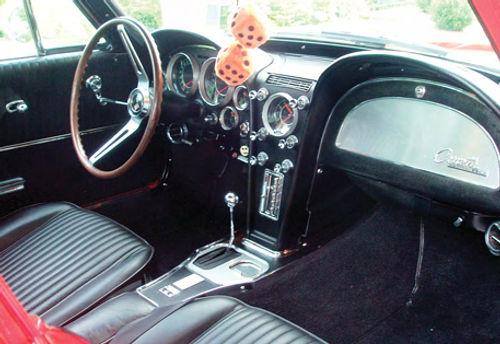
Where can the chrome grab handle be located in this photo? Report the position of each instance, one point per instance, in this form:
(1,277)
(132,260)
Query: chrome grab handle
(19,106)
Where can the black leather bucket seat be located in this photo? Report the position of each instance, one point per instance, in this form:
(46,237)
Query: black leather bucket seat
(60,259)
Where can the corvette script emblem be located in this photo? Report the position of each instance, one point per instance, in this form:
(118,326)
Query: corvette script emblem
(454,161)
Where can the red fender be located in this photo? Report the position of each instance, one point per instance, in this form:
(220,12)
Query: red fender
(17,326)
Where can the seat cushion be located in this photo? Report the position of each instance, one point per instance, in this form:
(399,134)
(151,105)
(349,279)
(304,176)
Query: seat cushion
(60,259)
(217,319)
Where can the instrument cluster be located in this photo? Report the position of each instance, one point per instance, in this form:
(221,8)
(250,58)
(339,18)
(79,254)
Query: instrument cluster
(190,73)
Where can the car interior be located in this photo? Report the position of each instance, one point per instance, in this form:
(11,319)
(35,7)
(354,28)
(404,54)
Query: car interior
(341,194)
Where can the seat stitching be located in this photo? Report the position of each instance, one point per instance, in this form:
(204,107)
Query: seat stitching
(99,275)
(236,309)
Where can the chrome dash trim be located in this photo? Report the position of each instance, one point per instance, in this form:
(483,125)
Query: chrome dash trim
(55,138)
(264,250)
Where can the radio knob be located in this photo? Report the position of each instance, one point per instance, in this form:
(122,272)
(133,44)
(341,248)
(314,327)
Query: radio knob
(253,160)
(286,165)
(262,158)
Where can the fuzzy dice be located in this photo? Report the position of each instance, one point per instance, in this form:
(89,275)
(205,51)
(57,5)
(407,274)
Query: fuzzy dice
(233,64)
(248,28)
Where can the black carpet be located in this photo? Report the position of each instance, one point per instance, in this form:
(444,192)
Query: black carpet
(356,288)
(347,287)
(458,301)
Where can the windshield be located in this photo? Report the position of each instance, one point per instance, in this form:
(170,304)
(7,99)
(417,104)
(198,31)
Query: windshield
(446,28)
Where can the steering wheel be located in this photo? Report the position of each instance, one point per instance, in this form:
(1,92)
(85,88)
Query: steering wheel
(143,102)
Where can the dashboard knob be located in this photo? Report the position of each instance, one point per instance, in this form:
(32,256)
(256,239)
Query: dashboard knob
(178,133)
(244,129)
(282,144)
(262,134)
(253,160)
(292,103)
(302,102)
(286,165)
(252,94)
(262,158)
(262,94)
(291,141)
(277,168)
(211,119)
(259,135)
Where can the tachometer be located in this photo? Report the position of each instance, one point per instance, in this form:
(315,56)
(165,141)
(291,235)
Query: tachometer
(182,74)
(278,117)
(213,90)
(240,98)
(229,118)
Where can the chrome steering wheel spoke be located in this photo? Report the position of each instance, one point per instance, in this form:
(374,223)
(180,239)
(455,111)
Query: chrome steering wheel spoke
(129,128)
(142,77)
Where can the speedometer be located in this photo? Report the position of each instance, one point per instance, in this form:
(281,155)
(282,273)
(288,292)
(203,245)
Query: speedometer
(182,74)
(213,90)
(278,116)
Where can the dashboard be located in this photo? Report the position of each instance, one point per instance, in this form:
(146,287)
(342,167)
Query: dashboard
(314,119)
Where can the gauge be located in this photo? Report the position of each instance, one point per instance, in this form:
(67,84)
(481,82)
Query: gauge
(182,74)
(278,117)
(229,118)
(213,90)
(240,98)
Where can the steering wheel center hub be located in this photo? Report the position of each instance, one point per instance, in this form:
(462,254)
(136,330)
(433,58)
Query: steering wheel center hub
(138,104)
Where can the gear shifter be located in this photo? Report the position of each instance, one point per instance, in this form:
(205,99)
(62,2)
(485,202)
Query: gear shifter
(231,200)
(221,255)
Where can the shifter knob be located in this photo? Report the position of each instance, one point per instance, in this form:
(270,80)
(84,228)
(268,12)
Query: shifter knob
(231,199)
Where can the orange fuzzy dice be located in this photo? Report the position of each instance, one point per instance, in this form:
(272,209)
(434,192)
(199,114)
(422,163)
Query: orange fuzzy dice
(233,64)
(248,29)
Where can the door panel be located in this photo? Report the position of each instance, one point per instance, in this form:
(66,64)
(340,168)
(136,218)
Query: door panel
(36,145)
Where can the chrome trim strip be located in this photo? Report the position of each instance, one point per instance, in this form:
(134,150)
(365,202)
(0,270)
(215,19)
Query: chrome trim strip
(11,185)
(264,250)
(35,32)
(223,274)
(54,138)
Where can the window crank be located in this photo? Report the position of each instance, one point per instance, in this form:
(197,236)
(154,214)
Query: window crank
(19,106)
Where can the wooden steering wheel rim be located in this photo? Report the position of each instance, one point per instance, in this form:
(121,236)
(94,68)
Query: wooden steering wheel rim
(156,97)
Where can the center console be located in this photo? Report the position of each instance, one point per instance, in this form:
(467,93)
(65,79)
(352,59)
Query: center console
(279,111)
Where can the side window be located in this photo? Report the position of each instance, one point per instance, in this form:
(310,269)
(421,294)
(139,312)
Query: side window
(15,34)
(60,23)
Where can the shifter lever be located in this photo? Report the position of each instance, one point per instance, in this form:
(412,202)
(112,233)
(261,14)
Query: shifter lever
(231,200)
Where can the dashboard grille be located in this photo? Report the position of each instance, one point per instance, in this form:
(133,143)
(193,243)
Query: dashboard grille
(286,81)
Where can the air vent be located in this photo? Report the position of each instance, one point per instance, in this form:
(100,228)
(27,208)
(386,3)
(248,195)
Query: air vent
(286,81)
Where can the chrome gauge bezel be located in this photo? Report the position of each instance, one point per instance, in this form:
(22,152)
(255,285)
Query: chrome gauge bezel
(196,74)
(205,68)
(223,123)
(236,93)
(266,109)
(488,237)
